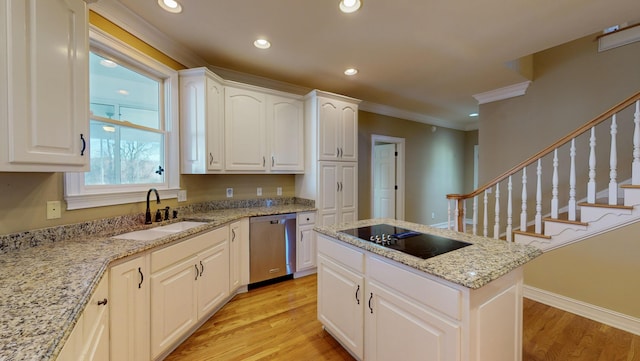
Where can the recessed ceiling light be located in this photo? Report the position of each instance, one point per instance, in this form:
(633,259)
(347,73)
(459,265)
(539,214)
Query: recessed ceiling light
(262,43)
(123,92)
(349,6)
(171,6)
(473,114)
(351,71)
(109,128)
(108,63)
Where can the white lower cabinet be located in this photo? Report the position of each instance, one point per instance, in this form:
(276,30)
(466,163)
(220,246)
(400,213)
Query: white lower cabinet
(238,254)
(129,305)
(89,340)
(306,248)
(379,309)
(188,281)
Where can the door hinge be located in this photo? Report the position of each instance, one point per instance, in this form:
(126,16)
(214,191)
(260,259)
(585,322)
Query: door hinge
(396,187)
(396,154)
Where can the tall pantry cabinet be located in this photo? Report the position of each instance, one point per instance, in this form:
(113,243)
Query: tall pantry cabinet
(331,143)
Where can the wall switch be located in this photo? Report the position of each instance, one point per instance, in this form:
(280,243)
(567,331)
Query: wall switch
(279,191)
(53,210)
(433,215)
(259,191)
(182,195)
(229,192)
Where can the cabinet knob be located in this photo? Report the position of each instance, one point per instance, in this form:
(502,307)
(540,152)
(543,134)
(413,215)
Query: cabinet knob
(103,302)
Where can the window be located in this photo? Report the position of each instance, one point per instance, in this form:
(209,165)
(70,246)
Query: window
(133,128)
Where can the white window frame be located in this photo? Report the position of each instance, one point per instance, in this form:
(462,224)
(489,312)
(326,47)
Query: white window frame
(76,194)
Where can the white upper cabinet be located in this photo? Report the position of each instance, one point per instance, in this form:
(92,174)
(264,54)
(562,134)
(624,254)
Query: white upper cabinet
(44,86)
(201,121)
(337,129)
(245,121)
(286,136)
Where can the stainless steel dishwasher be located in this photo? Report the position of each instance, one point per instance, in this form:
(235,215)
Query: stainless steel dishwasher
(272,247)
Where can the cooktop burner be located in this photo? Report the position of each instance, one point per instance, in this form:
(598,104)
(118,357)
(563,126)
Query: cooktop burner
(417,244)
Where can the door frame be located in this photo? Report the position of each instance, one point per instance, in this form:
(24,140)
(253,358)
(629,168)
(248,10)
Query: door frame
(400,159)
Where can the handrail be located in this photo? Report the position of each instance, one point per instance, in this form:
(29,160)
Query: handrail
(460,198)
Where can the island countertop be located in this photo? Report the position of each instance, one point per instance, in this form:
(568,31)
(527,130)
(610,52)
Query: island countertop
(50,274)
(473,267)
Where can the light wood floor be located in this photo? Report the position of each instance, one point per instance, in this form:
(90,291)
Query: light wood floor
(278,322)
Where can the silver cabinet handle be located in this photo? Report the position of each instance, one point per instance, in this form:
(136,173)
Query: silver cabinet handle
(210,158)
(201,268)
(233,235)
(273,160)
(197,271)
(337,152)
(263,161)
(358,291)
(141,277)
(370,299)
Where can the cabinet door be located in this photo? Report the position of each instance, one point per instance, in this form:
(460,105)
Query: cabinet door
(398,328)
(130,307)
(47,119)
(306,250)
(213,278)
(328,205)
(348,132)
(201,121)
(245,130)
(95,318)
(286,137)
(173,303)
(348,194)
(239,254)
(328,130)
(341,304)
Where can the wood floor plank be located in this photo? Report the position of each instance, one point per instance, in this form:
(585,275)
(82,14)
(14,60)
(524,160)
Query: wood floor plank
(279,322)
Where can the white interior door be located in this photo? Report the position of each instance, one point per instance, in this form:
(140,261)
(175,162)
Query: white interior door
(384,173)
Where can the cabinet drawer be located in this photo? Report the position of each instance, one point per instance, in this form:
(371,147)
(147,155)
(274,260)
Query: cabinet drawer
(306,218)
(174,253)
(345,255)
(422,289)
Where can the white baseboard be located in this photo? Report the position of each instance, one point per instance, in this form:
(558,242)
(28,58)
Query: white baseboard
(592,312)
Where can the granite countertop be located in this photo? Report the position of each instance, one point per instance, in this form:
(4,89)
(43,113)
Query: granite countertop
(473,267)
(45,286)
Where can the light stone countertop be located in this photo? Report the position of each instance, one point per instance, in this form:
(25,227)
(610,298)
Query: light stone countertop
(46,283)
(473,266)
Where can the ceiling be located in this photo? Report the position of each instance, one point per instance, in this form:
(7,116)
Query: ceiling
(417,59)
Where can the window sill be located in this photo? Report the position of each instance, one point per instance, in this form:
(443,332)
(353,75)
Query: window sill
(111,199)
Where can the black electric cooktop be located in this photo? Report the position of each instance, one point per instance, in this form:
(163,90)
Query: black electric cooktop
(417,244)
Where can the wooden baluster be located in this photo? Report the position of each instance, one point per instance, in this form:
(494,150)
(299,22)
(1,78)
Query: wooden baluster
(486,215)
(496,226)
(591,186)
(572,181)
(509,210)
(538,221)
(449,213)
(475,215)
(456,216)
(554,186)
(635,173)
(523,214)
(613,164)
(464,212)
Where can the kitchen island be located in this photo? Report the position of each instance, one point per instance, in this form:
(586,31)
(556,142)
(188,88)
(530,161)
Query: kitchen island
(380,303)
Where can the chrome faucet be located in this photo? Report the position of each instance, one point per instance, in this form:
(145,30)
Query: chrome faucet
(147,218)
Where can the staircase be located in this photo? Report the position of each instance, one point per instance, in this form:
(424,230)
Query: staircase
(565,193)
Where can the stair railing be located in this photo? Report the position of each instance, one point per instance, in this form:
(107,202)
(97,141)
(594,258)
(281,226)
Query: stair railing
(503,228)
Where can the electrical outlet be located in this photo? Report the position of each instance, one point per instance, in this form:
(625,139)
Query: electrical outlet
(279,191)
(229,192)
(182,195)
(53,210)
(259,191)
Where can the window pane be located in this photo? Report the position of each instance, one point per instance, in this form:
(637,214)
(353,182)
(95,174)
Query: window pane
(123,155)
(117,92)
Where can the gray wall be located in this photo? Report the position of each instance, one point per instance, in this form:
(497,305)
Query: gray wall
(435,165)
(572,84)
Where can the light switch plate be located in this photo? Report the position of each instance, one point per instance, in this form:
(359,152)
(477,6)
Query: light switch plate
(53,210)
(229,192)
(259,191)
(279,191)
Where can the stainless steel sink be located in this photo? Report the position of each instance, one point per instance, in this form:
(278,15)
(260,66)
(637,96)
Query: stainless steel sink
(159,232)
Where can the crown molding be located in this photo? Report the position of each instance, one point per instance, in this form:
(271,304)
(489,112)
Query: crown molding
(416,117)
(510,91)
(117,13)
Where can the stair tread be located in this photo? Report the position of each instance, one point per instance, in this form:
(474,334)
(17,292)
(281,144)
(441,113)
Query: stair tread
(532,234)
(565,220)
(630,186)
(604,205)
